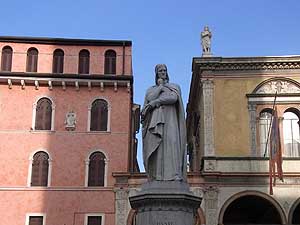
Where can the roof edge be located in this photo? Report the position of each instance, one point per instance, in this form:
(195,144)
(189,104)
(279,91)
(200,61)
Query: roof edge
(64,41)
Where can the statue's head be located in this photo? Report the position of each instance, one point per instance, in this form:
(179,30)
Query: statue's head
(206,28)
(161,72)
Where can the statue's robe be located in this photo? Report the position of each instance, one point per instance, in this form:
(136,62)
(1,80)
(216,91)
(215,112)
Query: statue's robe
(164,136)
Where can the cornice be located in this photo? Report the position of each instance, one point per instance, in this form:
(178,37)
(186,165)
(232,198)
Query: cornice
(64,41)
(65,80)
(246,63)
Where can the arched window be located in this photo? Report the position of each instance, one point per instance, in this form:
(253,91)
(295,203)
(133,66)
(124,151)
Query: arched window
(40,167)
(291,133)
(84,62)
(6,58)
(99,115)
(43,117)
(96,172)
(32,60)
(110,62)
(58,61)
(264,124)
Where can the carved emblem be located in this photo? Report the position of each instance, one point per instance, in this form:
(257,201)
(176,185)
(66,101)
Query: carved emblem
(70,121)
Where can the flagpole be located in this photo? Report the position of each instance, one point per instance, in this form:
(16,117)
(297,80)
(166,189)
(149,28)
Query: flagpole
(269,129)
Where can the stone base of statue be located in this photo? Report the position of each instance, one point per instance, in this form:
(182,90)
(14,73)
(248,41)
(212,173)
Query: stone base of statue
(165,203)
(207,54)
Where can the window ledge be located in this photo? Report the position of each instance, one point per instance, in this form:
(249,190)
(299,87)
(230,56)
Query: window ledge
(42,131)
(98,132)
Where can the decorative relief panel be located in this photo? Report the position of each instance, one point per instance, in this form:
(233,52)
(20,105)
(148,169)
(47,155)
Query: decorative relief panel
(281,86)
(211,205)
(208,92)
(122,206)
(252,116)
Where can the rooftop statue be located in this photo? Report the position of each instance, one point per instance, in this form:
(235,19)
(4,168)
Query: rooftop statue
(164,130)
(206,41)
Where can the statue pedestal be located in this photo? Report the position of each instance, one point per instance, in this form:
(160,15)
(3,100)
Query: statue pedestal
(165,203)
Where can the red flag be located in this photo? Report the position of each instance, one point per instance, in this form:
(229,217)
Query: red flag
(275,152)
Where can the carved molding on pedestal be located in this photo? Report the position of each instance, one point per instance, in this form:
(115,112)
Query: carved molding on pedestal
(208,110)
(122,206)
(211,205)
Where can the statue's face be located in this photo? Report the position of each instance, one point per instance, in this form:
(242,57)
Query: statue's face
(162,73)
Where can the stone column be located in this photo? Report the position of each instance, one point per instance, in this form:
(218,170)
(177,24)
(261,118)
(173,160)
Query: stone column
(211,205)
(252,123)
(208,113)
(122,206)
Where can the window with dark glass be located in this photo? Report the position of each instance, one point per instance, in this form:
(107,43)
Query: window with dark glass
(35,220)
(96,169)
(6,58)
(99,115)
(84,62)
(43,115)
(94,220)
(32,60)
(58,61)
(110,62)
(40,167)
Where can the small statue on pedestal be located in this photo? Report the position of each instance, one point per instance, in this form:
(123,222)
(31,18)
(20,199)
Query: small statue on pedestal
(206,42)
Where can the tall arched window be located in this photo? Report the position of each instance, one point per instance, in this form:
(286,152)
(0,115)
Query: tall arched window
(84,62)
(40,167)
(6,58)
(264,124)
(99,115)
(58,61)
(96,172)
(110,62)
(32,60)
(291,133)
(43,117)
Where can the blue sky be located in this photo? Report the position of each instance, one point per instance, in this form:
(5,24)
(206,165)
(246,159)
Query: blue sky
(163,31)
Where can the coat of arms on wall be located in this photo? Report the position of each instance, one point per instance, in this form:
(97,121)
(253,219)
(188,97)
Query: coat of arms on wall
(70,121)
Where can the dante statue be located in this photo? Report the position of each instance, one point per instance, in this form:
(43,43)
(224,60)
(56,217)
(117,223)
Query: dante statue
(206,40)
(164,130)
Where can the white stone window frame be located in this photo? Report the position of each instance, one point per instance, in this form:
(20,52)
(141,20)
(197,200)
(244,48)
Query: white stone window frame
(34,113)
(87,163)
(28,215)
(102,215)
(30,167)
(253,102)
(108,115)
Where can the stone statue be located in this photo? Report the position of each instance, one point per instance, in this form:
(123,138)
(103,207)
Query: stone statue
(164,130)
(206,41)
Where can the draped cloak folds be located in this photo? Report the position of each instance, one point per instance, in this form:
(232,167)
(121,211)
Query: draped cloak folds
(164,136)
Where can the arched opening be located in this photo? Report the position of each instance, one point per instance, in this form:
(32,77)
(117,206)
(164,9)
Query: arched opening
(43,118)
(32,60)
(96,175)
(58,61)
(291,133)
(6,58)
(99,115)
(251,209)
(40,169)
(84,62)
(110,62)
(294,215)
(264,123)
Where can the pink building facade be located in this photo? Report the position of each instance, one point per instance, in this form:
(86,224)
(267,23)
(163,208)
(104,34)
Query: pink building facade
(66,127)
